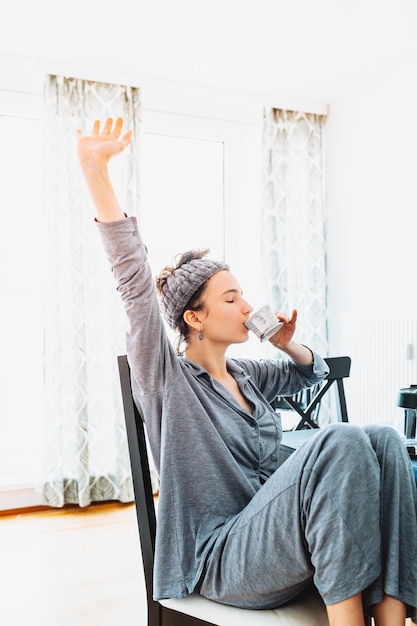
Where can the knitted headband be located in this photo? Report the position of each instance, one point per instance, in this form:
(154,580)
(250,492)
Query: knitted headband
(183,283)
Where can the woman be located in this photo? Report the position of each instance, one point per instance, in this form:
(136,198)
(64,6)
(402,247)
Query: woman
(341,511)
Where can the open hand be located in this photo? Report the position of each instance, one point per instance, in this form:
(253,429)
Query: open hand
(99,147)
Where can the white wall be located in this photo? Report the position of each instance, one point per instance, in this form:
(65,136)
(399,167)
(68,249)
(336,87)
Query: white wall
(371,138)
(371,165)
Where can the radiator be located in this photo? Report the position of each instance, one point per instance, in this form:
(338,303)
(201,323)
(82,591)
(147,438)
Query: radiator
(383,353)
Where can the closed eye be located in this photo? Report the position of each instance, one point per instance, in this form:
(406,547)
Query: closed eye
(231,295)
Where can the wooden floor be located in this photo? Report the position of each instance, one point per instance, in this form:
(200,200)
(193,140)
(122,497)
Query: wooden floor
(74,567)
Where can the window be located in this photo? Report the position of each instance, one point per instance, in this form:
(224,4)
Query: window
(21,289)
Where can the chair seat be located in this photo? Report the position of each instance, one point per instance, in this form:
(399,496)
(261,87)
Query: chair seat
(307,610)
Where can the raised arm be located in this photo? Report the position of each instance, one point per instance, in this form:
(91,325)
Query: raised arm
(152,358)
(94,154)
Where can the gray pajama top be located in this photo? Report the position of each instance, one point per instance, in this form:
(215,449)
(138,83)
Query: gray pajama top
(212,456)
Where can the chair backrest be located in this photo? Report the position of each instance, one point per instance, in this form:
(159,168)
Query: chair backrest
(307,404)
(145,507)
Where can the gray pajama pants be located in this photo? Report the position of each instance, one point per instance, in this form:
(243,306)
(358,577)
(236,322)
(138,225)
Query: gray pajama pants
(341,512)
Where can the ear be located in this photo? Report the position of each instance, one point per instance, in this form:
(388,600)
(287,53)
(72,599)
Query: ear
(192,319)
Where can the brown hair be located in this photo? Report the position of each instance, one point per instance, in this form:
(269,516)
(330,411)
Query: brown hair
(195,302)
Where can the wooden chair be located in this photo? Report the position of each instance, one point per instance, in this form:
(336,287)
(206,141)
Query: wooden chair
(307,402)
(307,610)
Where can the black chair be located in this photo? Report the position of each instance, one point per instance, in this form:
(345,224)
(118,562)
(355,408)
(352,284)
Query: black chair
(307,610)
(307,402)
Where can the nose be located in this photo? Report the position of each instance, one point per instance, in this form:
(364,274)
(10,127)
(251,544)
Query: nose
(247,308)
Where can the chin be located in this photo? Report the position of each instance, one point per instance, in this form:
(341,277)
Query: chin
(243,338)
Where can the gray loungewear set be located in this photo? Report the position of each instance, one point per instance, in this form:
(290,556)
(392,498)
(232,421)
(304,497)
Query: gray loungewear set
(341,511)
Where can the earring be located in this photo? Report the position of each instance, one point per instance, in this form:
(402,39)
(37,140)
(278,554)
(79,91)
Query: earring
(201,335)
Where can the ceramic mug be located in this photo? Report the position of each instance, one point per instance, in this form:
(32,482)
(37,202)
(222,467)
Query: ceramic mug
(263,322)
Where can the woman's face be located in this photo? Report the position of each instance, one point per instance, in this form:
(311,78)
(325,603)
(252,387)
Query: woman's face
(224,311)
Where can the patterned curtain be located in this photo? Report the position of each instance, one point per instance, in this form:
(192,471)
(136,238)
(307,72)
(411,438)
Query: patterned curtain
(293,221)
(86,456)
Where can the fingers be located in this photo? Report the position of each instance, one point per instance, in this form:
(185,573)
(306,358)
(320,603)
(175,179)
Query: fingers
(96,127)
(110,129)
(108,125)
(126,139)
(288,319)
(282,317)
(113,130)
(117,130)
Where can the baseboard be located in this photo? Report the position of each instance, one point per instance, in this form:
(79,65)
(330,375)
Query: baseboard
(20,497)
